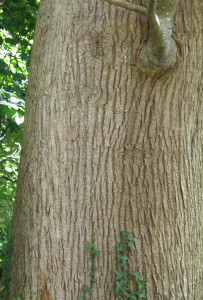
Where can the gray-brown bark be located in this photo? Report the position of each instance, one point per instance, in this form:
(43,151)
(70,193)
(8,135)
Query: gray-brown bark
(106,149)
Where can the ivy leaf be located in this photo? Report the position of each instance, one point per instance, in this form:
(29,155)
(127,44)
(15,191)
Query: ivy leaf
(121,248)
(124,266)
(96,252)
(119,274)
(124,233)
(139,286)
(120,289)
(123,258)
(128,295)
(93,267)
(85,288)
(131,245)
(137,275)
(90,246)
(131,238)
(143,295)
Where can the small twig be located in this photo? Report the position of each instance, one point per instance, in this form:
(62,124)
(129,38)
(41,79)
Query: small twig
(9,159)
(8,9)
(2,3)
(129,6)
(8,179)
(154,23)
(16,60)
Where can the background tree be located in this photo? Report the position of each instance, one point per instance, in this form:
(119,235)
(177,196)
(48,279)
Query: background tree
(106,148)
(17,21)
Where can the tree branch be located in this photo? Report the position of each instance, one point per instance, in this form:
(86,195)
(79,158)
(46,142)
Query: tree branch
(160,50)
(151,10)
(167,8)
(8,179)
(130,6)
(154,23)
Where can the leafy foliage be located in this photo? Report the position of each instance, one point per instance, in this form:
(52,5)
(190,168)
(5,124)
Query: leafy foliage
(11,118)
(17,24)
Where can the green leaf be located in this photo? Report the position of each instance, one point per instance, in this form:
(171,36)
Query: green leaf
(131,245)
(85,288)
(137,275)
(28,62)
(143,295)
(128,295)
(131,238)
(124,233)
(24,56)
(120,290)
(139,286)
(119,284)
(81,297)
(121,248)
(124,266)
(90,246)
(12,41)
(119,274)
(93,267)
(13,4)
(3,64)
(96,252)
(123,258)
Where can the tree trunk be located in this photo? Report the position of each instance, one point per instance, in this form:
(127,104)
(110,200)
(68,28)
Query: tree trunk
(107,148)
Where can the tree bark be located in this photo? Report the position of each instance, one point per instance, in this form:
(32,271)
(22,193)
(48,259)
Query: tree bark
(108,148)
